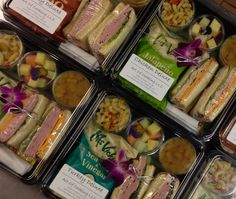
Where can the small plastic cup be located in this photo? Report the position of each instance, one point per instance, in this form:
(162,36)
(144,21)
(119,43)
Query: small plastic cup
(11,49)
(37,69)
(145,135)
(113,114)
(69,88)
(176,17)
(210,30)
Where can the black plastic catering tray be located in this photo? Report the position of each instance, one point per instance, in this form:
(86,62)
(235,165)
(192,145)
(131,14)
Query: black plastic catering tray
(140,72)
(42,109)
(115,22)
(68,178)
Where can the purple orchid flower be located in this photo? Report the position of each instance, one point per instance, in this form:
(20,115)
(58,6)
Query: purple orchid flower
(12,97)
(188,54)
(118,169)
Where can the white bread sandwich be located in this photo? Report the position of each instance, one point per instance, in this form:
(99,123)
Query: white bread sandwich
(109,35)
(164,186)
(195,80)
(216,96)
(87,17)
(30,122)
(131,182)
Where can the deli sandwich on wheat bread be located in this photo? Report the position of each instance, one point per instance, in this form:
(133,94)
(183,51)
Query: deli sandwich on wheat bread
(87,17)
(109,34)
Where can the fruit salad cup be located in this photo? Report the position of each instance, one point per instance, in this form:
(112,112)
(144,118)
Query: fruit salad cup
(37,69)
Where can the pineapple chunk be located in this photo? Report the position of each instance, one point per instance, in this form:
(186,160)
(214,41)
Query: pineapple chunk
(25,69)
(211,43)
(144,122)
(196,29)
(40,58)
(215,27)
(1,59)
(41,82)
(154,130)
(140,145)
(49,65)
(32,83)
(204,22)
(145,137)
(152,144)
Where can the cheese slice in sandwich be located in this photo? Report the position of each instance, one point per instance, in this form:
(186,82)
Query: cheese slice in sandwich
(42,132)
(55,135)
(30,123)
(113,30)
(197,81)
(11,122)
(88,16)
(216,96)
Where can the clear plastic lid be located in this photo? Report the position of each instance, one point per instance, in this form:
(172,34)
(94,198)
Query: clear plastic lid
(127,165)
(90,32)
(32,124)
(217,180)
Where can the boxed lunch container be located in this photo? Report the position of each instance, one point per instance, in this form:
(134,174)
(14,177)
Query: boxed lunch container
(184,70)
(138,156)
(216,178)
(90,32)
(42,97)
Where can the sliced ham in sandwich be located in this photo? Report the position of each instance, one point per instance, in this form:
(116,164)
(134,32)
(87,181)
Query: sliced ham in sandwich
(88,16)
(113,30)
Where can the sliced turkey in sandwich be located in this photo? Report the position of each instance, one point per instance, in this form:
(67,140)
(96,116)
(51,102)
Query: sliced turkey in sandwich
(88,16)
(216,96)
(193,83)
(109,35)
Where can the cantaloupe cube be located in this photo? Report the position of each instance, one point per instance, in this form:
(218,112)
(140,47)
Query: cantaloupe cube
(204,22)
(51,74)
(24,69)
(131,139)
(40,58)
(215,27)
(196,29)
(154,130)
(50,65)
(211,43)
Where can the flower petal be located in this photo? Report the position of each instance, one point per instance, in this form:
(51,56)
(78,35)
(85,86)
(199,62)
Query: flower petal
(125,165)
(109,164)
(6,107)
(121,155)
(20,96)
(118,176)
(196,43)
(5,90)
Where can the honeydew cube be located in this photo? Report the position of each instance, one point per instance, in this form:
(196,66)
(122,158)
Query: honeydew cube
(145,137)
(24,69)
(211,43)
(204,22)
(41,83)
(154,130)
(152,144)
(145,123)
(196,29)
(40,58)
(140,145)
(49,65)
(215,27)
(51,74)
(32,83)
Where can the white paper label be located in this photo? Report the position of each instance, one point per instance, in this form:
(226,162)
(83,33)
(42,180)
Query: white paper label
(71,184)
(41,12)
(232,135)
(146,77)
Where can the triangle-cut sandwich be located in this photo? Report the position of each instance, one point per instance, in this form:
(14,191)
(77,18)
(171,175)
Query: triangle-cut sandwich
(113,30)
(87,17)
